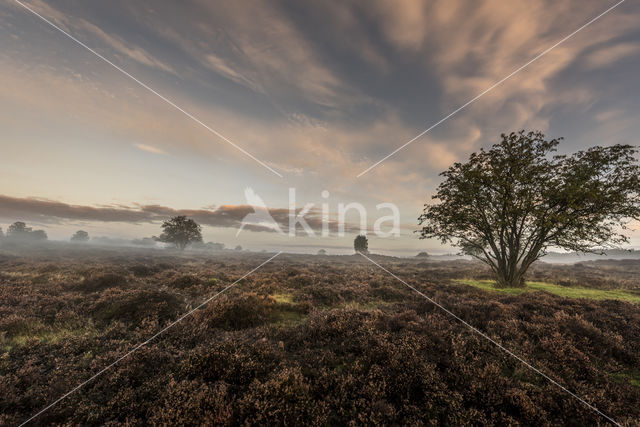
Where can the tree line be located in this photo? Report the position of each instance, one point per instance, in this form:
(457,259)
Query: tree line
(19,231)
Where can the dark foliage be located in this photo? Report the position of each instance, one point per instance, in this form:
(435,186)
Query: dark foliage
(20,231)
(361,244)
(507,205)
(181,231)
(80,236)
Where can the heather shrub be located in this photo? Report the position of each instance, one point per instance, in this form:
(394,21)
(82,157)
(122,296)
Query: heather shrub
(186,281)
(101,281)
(142,270)
(242,311)
(132,306)
(194,403)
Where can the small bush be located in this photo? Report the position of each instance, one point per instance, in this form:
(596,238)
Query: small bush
(99,282)
(141,270)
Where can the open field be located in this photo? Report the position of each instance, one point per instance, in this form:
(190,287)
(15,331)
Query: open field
(311,340)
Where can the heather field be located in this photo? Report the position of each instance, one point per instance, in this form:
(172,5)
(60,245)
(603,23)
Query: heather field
(311,340)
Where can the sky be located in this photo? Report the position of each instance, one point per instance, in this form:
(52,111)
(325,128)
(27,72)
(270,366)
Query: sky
(317,91)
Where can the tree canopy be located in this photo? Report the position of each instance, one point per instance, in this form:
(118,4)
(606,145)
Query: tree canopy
(180,231)
(19,230)
(80,236)
(507,205)
(361,244)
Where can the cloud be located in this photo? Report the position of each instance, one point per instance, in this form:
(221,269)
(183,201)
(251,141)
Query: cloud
(50,211)
(227,216)
(74,24)
(150,149)
(261,47)
(404,23)
(222,67)
(609,55)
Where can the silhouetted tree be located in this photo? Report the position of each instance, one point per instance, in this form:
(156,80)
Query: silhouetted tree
(361,244)
(213,246)
(422,255)
(181,231)
(322,252)
(1,233)
(238,248)
(38,235)
(18,229)
(80,236)
(145,241)
(508,204)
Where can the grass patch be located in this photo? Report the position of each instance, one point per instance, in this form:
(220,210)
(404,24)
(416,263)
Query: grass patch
(563,291)
(285,312)
(43,336)
(283,298)
(287,316)
(632,376)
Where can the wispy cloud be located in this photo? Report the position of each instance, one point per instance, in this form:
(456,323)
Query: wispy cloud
(227,216)
(75,24)
(150,149)
(609,55)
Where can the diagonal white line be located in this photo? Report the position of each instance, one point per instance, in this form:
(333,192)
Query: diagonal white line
(500,346)
(172,324)
(168,101)
(498,83)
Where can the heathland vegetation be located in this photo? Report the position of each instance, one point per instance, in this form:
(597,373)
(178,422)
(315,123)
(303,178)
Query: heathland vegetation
(308,340)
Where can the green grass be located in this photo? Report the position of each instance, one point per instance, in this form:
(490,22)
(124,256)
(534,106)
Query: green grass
(287,317)
(283,298)
(285,312)
(43,336)
(563,291)
(631,376)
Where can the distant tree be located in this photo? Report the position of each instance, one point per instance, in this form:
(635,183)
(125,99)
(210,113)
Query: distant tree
(1,233)
(212,246)
(18,229)
(322,252)
(38,235)
(422,255)
(180,231)
(80,236)
(507,205)
(145,241)
(238,248)
(361,244)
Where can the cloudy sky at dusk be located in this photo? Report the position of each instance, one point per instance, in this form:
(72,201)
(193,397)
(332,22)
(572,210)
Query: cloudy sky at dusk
(318,91)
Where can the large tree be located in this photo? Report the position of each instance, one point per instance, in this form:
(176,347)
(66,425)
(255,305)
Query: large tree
(507,205)
(181,231)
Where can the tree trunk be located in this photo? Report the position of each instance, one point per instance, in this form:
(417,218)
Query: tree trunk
(510,279)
